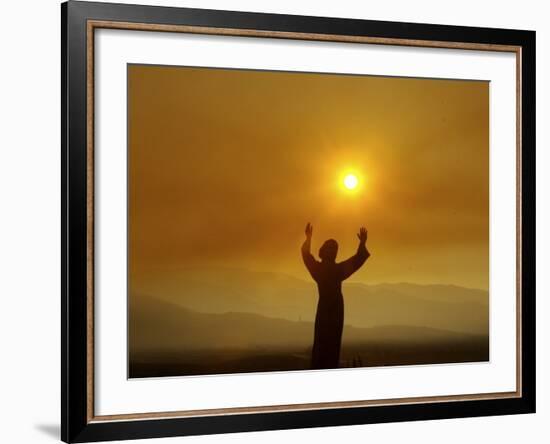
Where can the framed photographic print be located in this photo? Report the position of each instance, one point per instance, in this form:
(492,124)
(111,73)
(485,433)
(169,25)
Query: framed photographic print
(275,221)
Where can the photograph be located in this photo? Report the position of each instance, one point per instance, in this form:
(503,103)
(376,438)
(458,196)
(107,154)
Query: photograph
(299,221)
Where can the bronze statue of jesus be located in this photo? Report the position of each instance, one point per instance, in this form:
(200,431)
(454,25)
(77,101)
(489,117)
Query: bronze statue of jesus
(329,275)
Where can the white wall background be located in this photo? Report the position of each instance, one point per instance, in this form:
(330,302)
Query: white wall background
(30,221)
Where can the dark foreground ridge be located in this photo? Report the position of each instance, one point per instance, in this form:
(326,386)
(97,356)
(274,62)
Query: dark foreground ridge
(168,340)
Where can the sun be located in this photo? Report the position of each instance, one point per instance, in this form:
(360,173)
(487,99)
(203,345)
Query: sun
(351,181)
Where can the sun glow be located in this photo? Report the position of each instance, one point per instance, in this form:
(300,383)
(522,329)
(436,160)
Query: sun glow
(351,181)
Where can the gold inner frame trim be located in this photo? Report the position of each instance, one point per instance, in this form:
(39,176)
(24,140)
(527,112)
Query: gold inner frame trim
(96,24)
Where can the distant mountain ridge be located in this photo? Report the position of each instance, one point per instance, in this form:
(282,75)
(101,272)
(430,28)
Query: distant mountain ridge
(156,325)
(275,295)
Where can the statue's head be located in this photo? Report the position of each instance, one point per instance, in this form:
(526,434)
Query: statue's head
(328,251)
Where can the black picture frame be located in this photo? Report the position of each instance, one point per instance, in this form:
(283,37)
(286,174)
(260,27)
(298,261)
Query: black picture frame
(76,423)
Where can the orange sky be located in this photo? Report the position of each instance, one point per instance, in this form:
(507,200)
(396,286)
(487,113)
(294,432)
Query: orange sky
(227,166)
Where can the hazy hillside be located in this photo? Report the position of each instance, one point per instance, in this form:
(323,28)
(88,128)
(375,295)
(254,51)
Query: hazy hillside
(166,339)
(275,295)
(157,325)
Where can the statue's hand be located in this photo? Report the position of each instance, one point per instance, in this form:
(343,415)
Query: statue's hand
(362,235)
(309,231)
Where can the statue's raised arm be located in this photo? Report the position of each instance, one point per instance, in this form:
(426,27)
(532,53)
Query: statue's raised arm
(351,265)
(311,264)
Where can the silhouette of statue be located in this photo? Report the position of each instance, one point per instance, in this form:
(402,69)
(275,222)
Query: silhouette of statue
(329,275)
